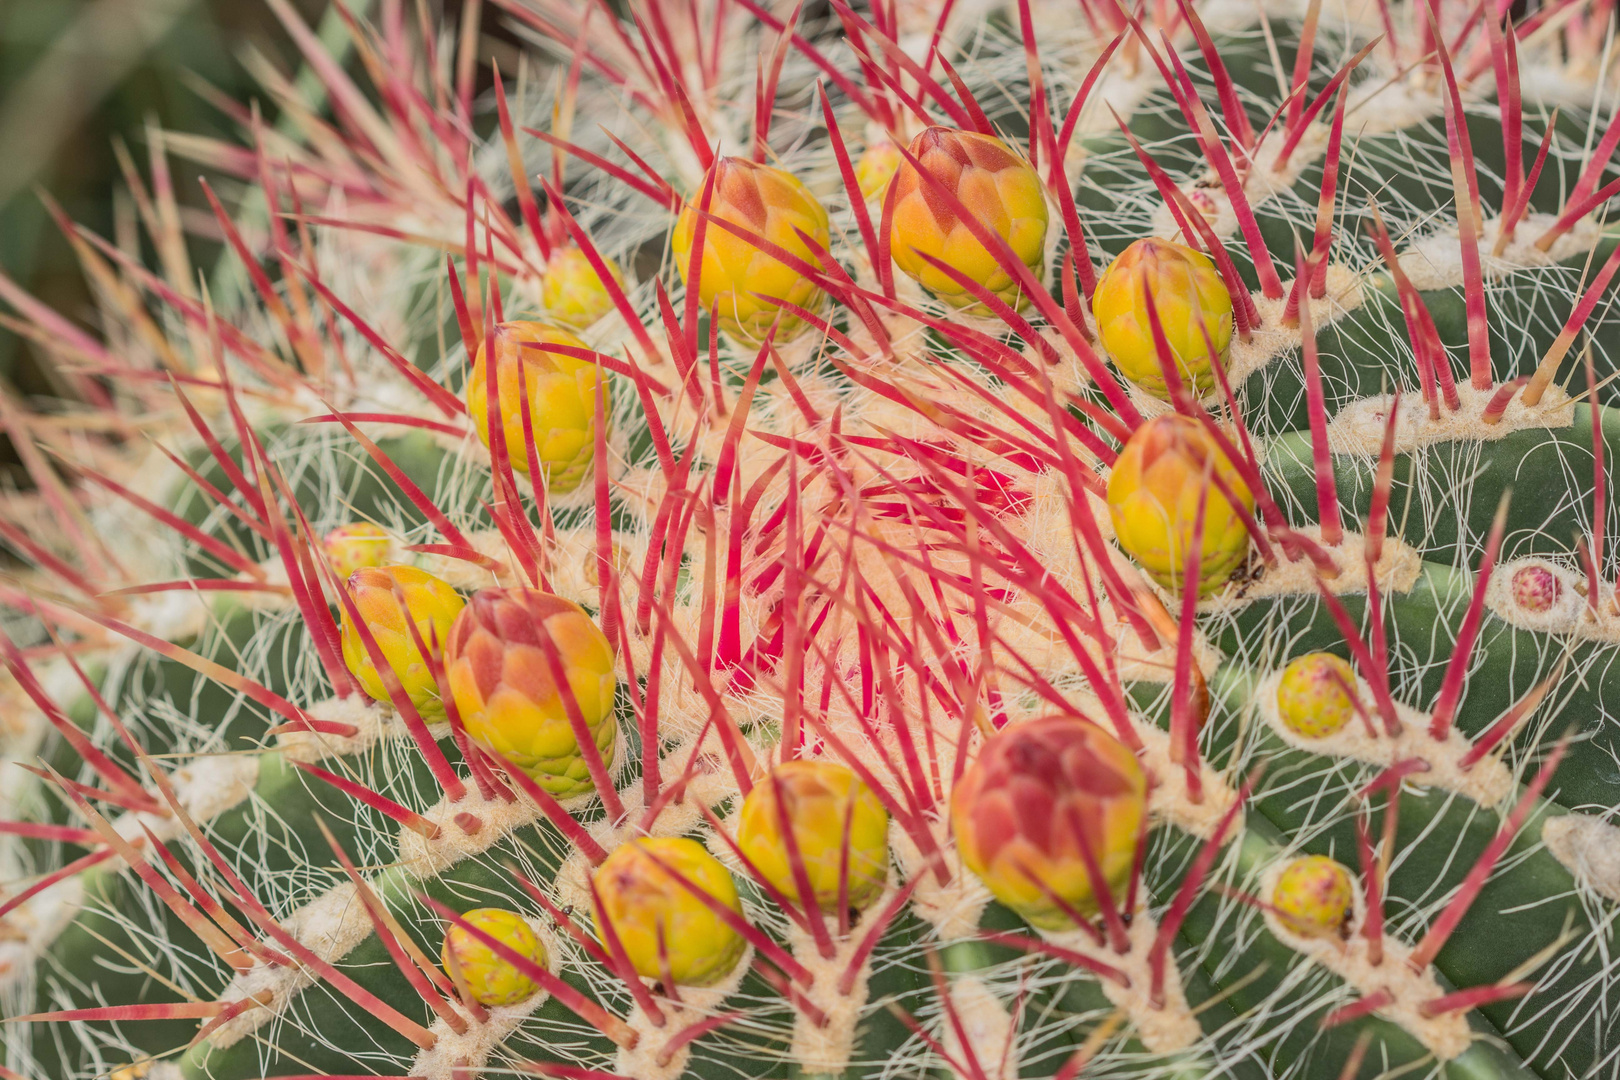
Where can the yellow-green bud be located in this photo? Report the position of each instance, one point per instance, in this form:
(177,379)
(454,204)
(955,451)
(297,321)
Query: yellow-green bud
(666,931)
(490,978)
(824,802)
(561,399)
(876,167)
(572,291)
(1021,810)
(1313,897)
(430,603)
(773,205)
(1311,695)
(1187,293)
(1153,494)
(351,547)
(501,679)
(992,183)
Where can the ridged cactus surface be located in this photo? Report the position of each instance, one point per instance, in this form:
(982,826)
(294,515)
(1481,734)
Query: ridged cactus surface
(924,538)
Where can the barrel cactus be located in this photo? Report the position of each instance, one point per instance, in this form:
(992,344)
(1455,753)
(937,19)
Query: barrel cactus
(727,718)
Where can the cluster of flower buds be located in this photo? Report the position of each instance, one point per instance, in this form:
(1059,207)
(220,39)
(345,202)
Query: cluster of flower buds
(1193,306)
(746,284)
(645,901)
(1313,695)
(489,978)
(1313,897)
(1168,466)
(350,547)
(839,830)
(985,178)
(572,291)
(501,677)
(422,600)
(561,400)
(1045,798)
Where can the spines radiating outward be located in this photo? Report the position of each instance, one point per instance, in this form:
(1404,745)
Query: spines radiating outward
(981,539)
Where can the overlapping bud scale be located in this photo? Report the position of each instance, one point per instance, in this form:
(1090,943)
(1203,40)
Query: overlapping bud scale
(561,400)
(1153,497)
(664,928)
(990,181)
(736,276)
(1190,299)
(429,603)
(839,828)
(1041,795)
(501,679)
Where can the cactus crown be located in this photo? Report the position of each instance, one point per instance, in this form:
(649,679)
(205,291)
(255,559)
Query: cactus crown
(1184,694)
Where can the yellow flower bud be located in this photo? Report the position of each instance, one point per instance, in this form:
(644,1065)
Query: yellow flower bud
(1021,810)
(994,184)
(571,290)
(876,167)
(490,978)
(350,547)
(1187,293)
(735,273)
(1310,700)
(562,401)
(824,802)
(1313,897)
(432,606)
(501,680)
(1153,495)
(666,930)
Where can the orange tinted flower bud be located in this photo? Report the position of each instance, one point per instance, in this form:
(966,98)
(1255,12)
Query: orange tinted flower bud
(992,183)
(1038,792)
(735,274)
(502,683)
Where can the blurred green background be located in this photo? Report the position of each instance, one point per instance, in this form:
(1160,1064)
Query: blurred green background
(75,75)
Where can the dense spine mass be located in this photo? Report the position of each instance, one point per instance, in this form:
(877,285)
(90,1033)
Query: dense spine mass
(964,539)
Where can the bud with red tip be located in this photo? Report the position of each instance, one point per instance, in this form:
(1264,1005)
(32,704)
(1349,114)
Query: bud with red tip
(992,183)
(501,678)
(744,281)
(1041,794)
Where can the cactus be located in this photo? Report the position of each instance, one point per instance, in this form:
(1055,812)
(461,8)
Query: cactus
(894,643)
